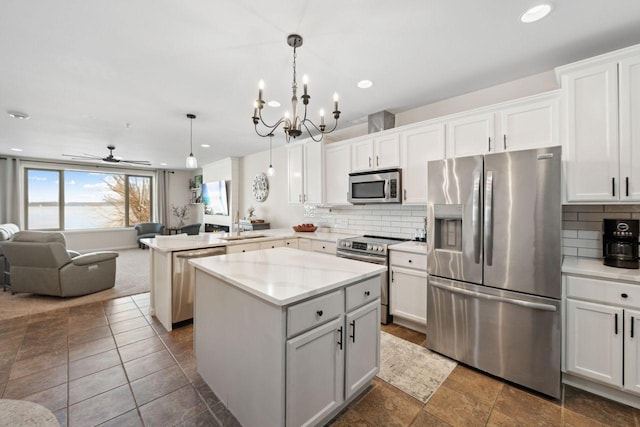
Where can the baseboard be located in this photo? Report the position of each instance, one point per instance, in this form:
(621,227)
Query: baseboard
(419,327)
(602,390)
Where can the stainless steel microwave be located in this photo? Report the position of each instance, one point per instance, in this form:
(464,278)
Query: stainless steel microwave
(381,186)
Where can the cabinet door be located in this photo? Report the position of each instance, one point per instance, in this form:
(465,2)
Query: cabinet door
(362,155)
(233,249)
(294,171)
(291,243)
(312,172)
(594,341)
(533,125)
(324,247)
(315,374)
(591,120)
(419,146)
(304,244)
(386,151)
(632,351)
(408,294)
(272,244)
(337,164)
(471,135)
(630,129)
(363,347)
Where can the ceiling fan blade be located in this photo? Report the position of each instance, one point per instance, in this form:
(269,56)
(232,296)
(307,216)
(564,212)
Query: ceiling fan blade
(82,157)
(136,162)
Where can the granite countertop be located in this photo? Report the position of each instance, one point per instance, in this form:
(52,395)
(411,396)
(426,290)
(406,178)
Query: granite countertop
(283,276)
(183,242)
(595,268)
(413,247)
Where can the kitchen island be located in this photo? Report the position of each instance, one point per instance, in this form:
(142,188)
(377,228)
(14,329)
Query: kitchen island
(284,337)
(171,292)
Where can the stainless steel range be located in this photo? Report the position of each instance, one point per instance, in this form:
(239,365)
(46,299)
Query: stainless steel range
(372,249)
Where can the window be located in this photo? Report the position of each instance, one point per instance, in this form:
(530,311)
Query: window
(85,200)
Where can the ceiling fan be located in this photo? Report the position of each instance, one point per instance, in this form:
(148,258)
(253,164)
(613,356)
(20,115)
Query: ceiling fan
(109,159)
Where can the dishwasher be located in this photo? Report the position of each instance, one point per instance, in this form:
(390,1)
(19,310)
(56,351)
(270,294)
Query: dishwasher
(183,291)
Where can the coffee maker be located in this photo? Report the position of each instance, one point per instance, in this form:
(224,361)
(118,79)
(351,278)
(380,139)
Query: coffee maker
(620,242)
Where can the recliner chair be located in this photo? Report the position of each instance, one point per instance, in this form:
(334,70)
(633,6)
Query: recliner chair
(190,229)
(147,230)
(41,264)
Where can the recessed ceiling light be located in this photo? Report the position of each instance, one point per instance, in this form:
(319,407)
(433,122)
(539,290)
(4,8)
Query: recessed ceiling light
(163,164)
(365,84)
(205,145)
(273,103)
(18,115)
(16,149)
(535,13)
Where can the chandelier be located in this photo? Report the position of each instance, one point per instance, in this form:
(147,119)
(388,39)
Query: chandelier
(294,123)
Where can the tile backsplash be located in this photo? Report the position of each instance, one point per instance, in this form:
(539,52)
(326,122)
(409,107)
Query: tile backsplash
(390,220)
(582,227)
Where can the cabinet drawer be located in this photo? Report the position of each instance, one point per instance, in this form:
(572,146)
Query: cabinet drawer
(603,291)
(363,292)
(326,247)
(408,260)
(315,312)
(232,249)
(272,244)
(291,243)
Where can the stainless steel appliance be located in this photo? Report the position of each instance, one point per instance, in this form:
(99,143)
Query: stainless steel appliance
(494,258)
(620,242)
(381,186)
(372,249)
(182,290)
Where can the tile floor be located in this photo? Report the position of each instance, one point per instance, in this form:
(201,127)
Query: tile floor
(112,364)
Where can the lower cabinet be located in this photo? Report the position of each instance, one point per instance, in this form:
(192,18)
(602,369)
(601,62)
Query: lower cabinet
(271,244)
(602,327)
(324,247)
(408,289)
(245,247)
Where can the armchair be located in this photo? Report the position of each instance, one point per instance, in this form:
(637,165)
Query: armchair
(190,229)
(147,230)
(41,264)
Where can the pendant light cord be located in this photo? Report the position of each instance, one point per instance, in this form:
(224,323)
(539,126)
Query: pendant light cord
(191,139)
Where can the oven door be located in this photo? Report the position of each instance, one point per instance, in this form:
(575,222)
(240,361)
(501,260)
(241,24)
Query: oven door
(384,289)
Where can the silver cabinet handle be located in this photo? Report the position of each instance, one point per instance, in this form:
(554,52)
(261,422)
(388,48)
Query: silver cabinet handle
(475,218)
(377,161)
(386,189)
(504,138)
(489,144)
(488,219)
(405,194)
(521,303)
(369,161)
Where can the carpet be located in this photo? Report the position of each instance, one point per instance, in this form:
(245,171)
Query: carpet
(412,368)
(132,277)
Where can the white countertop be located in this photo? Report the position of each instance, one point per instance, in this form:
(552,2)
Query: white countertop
(183,242)
(284,276)
(411,247)
(595,267)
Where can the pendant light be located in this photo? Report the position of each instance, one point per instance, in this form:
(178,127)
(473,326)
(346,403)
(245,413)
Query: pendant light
(270,171)
(192,162)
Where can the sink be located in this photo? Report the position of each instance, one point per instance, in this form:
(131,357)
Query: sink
(242,237)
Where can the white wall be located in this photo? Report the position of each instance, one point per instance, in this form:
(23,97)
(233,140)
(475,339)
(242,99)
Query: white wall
(389,220)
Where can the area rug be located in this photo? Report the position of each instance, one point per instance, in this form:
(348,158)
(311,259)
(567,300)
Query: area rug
(411,367)
(132,277)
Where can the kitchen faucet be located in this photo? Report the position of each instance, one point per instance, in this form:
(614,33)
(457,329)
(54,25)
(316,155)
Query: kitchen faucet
(237,223)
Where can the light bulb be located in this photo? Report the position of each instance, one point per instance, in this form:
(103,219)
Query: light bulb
(261,84)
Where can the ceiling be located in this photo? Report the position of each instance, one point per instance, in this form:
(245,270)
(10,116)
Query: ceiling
(93,73)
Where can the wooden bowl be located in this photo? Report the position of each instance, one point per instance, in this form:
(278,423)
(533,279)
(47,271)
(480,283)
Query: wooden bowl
(304,228)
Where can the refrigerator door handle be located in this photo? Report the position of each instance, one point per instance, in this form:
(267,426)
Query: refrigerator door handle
(488,219)
(475,219)
(521,303)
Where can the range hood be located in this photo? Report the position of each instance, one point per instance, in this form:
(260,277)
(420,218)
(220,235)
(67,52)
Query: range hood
(381,120)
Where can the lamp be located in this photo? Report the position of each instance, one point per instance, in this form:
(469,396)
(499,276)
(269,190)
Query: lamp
(293,124)
(270,171)
(192,162)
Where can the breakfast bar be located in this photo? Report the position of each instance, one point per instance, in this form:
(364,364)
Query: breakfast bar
(284,337)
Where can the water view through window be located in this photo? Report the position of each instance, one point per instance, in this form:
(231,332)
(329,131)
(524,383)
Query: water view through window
(91,200)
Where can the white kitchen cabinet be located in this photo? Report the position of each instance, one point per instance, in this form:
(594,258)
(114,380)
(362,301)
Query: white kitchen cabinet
(245,247)
(378,152)
(271,244)
(418,146)
(601,103)
(601,336)
(304,244)
(315,374)
(408,289)
(531,122)
(323,246)
(304,170)
(362,360)
(291,243)
(337,165)
(594,346)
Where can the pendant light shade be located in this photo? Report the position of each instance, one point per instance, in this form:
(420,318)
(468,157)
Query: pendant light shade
(192,162)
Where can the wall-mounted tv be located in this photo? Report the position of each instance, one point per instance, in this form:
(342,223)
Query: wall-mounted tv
(214,198)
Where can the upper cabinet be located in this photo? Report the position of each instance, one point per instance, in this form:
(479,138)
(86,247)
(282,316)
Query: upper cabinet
(532,122)
(601,97)
(337,164)
(304,168)
(419,145)
(377,152)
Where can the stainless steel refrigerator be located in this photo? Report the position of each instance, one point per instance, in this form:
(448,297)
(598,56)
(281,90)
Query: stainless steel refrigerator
(494,259)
